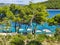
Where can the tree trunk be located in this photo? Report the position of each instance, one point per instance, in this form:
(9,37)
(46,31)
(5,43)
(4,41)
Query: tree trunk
(26,29)
(15,26)
(19,27)
(31,22)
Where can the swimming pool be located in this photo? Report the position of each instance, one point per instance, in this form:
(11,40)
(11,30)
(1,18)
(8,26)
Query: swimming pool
(38,27)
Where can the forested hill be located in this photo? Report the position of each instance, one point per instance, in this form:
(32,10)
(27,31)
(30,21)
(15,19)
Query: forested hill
(2,4)
(52,4)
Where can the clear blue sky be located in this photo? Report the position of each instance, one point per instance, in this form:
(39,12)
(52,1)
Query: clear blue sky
(20,1)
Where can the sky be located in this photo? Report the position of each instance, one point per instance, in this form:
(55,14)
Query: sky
(20,1)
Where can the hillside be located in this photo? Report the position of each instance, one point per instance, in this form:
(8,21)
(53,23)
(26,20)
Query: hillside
(52,4)
(1,4)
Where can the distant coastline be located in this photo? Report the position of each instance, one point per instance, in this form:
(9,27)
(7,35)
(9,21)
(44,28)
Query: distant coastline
(53,9)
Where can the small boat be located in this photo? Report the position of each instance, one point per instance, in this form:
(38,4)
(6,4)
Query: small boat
(46,30)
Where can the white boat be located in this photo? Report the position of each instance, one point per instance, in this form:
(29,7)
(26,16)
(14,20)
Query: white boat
(38,31)
(29,29)
(21,29)
(46,30)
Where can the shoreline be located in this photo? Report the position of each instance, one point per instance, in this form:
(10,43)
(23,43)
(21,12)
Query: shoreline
(8,33)
(53,9)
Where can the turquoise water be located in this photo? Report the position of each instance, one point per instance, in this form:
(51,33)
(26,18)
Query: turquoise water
(53,12)
(38,26)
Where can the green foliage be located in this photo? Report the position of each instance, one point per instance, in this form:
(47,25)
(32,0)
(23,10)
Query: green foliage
(57,34)
(57,31)
(52,4)
(4,39)
(51,21)
(54,20)
(16,40)
(39,13)
(34,43)
(40,38)
(24,14)
(29,36)
(57,18)
(1,43)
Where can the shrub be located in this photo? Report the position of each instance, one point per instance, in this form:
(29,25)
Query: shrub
(40,38)
(34,43)
(17,41)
